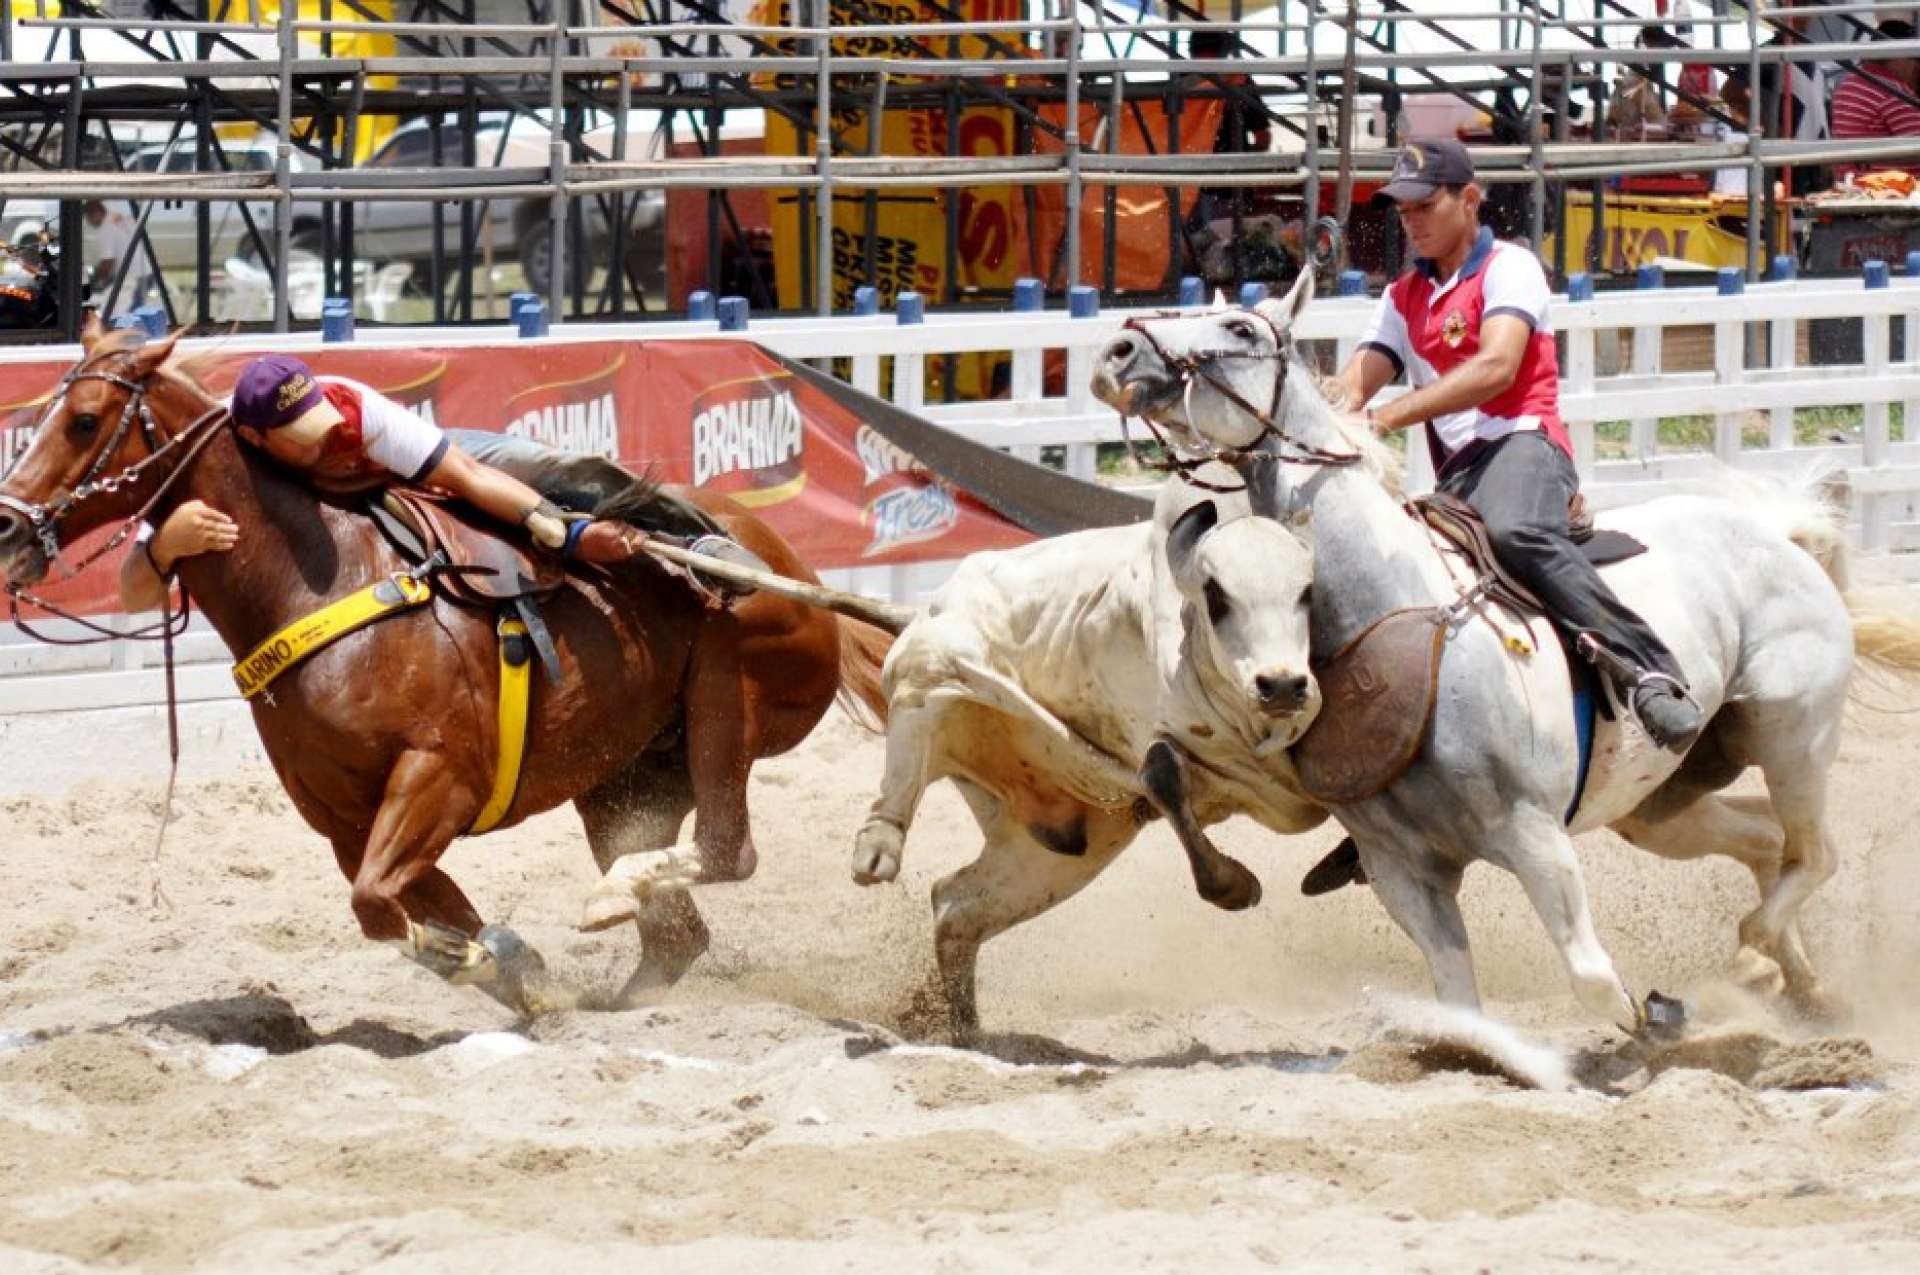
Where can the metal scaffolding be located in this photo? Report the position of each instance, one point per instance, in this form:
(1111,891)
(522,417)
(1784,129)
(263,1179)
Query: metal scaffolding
(1309,66)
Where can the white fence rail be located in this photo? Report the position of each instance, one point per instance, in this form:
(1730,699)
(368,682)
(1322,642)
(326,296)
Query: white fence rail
(1743,375)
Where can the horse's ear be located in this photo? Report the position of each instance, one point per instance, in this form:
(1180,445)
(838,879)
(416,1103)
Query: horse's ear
(91,331)
(1188,530)
(1219,299)
(148,358)
(1285,312)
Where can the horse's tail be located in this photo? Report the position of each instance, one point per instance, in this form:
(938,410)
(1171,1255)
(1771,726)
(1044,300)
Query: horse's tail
(1812,513)
(863,653)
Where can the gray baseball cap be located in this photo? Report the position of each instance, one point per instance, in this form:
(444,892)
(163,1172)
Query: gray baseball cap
(1425,166)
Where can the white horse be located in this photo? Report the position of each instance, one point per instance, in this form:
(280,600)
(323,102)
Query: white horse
(1746,590)
(1073,687)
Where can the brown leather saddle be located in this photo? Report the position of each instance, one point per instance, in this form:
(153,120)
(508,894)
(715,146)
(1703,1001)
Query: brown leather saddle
(1378,692)
(472,559)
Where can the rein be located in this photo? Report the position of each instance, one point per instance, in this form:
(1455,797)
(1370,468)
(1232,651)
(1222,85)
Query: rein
(1200,365)
(44,521)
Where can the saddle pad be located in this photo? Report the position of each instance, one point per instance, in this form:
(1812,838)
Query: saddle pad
(1585,691)
(1377,696)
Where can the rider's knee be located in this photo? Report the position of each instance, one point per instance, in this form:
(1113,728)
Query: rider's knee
(1520,541)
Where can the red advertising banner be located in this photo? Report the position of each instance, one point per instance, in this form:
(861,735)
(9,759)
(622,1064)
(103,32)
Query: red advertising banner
(724,416)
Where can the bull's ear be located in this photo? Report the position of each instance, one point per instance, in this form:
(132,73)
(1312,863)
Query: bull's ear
(1188,530)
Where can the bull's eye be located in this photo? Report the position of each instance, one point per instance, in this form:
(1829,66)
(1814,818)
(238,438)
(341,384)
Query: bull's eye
(85,422)
(1218,607)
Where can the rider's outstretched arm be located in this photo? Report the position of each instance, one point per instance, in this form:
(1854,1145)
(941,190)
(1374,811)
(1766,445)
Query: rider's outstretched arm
(500,496)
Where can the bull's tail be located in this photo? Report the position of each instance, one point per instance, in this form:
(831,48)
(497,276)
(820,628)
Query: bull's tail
(863,654)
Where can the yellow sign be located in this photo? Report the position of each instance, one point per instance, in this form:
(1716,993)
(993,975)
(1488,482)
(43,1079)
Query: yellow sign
(909,226)
(1640,230)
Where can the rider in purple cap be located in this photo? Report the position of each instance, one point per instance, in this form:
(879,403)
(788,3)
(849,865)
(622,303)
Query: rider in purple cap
(346,436)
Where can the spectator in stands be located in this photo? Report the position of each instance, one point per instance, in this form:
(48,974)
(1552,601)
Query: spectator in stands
(112,235)
(1640,94)
(1801,116)
(1878,98)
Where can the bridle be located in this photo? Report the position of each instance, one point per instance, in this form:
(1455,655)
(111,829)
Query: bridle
(1199,365)
(43,521)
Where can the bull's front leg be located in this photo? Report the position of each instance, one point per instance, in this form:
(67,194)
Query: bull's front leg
(913,732)
(1221,879)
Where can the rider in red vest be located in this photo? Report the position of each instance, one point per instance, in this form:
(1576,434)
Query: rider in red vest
(1468,328)
(347,436)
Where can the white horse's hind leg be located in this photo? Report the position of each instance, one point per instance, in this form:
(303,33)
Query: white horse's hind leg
(1744,829)
(1799,801)
(1421,894)
(1015,879)
(1535,848)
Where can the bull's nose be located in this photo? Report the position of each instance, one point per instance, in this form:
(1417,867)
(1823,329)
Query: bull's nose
(1281,692)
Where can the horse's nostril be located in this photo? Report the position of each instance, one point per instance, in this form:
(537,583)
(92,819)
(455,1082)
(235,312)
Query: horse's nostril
(1120,351)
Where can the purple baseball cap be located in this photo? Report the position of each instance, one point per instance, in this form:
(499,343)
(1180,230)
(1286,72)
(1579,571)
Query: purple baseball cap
(275,390)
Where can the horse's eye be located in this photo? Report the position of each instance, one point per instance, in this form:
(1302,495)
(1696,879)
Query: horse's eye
(85,422)
(1218,607)
(1306,596)
(1241,328)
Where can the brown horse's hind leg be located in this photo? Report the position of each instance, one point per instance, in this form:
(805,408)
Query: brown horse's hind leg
(401,897)
(640,810)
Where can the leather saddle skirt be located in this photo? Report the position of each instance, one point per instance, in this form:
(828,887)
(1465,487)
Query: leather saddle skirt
(487,564)
(1378,692)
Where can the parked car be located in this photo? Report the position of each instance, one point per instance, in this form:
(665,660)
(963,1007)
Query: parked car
(387,230)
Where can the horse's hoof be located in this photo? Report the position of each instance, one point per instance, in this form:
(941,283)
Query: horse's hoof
(520,979)
(1234,887)
(1662,1018)
(1758,974)
(1339,869)
(876,853)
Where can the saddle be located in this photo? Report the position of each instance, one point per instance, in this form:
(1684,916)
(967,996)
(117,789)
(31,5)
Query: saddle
(1378,692)
(483,563)
(475,561)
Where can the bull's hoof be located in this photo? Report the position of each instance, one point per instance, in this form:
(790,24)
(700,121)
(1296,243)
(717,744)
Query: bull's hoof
(1233,888)
(876,853)
(606,909)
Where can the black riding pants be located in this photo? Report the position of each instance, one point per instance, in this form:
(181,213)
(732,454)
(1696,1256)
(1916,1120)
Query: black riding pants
(1522,485)
(577,482)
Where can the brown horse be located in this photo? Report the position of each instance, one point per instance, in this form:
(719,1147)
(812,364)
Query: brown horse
(385,740)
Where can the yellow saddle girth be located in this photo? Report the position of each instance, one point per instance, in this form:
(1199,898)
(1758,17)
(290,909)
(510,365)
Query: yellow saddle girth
(400,592)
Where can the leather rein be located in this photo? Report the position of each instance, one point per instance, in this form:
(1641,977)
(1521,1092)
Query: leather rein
(1200,365)
(44,520)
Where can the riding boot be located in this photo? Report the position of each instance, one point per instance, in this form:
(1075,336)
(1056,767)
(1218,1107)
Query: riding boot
(1660,701)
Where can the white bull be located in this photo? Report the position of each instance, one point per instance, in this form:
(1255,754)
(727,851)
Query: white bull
(1074,687)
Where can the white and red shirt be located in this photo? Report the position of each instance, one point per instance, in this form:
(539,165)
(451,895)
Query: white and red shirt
(1865,105)
(1428,327)
(376,436)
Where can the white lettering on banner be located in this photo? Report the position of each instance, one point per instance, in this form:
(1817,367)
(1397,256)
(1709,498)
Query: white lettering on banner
(882,456)
(590,428)
(762,432)
(909,515)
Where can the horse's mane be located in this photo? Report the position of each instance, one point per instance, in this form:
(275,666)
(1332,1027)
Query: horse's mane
(1314,392)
